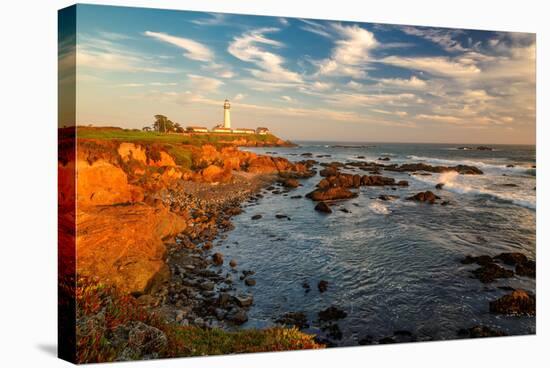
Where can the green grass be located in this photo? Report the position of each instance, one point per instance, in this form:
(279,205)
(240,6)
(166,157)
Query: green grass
(196,139)
(193,341)
(181,155)
(94,342)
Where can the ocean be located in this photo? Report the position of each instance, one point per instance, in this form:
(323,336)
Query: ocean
(391,265)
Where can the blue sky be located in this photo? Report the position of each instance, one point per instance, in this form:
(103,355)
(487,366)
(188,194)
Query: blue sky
(304,79)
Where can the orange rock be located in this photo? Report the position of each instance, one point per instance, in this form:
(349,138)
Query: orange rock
(170,175)
(102,183)
(262,164)
(66,180)
(122,245)
(165,160)
(232,163)
(334,193)
(214,173)
(129,151)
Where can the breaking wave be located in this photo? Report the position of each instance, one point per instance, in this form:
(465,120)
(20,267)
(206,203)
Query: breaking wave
(480,164)
(379,208)
(519,198)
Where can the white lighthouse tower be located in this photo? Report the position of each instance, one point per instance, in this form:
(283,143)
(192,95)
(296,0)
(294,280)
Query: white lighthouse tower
(226,115)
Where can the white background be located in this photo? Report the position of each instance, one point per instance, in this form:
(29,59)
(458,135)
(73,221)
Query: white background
(28,81)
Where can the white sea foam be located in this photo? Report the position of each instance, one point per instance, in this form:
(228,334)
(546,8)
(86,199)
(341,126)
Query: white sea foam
(379,208)
(475,186)
(480,164)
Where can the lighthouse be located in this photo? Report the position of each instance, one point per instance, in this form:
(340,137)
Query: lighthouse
(226,115)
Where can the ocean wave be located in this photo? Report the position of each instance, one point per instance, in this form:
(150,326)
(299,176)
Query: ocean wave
(467,149)
(379,208)
(516,197)
(479,164)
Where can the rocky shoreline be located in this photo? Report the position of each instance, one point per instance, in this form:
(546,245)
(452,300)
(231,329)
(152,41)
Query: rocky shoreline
(197,292)
(220,306)
(190,288)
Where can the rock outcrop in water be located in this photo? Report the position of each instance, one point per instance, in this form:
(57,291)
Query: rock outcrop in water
(519,302)
(427,197)
(330,194)
(294,319)
(490,271)
(480,331)
(336,185)
(323,207)
(461,169)
(331,314)
(523,265)
(528,269)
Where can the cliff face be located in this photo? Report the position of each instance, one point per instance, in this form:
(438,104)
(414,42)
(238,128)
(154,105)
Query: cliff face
(120,228)
(102,183)
(124,245)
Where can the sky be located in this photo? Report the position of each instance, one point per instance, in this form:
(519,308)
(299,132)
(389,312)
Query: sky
(304,79)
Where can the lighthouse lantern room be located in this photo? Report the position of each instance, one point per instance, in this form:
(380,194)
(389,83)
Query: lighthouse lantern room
(226,115)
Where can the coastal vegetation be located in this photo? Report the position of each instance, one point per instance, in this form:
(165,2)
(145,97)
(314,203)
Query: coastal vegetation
(153,210)
(130,210)
(114,326)
(195,139)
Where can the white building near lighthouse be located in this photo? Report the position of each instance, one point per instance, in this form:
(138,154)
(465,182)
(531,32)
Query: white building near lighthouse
(226,115)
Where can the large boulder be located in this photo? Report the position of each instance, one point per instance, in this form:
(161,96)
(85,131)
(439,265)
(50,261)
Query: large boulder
(217,259)
(490,272)
(323,207)
(480,260)
(290,183)
(237,315)
(129,255)
(296,319)
(413,167)
(480,331)
(102,183)
(329,171)
(163,159)
(512,258)
(131,151)
(527,268)
(427,196)
(331,314)
(519,302)
(376,180)
(214,174)
(331,194)
(524,266)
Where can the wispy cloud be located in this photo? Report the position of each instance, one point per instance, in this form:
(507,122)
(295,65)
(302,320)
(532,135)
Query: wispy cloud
(214,19)
(316,28)
(251,47)
(193,49)
(284,21)
(204,84)
(219,70)
(351,53)
(412,83)
(446,38)
(342,72)
(96,52)
(287,99)
(438,66)
(152,84)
